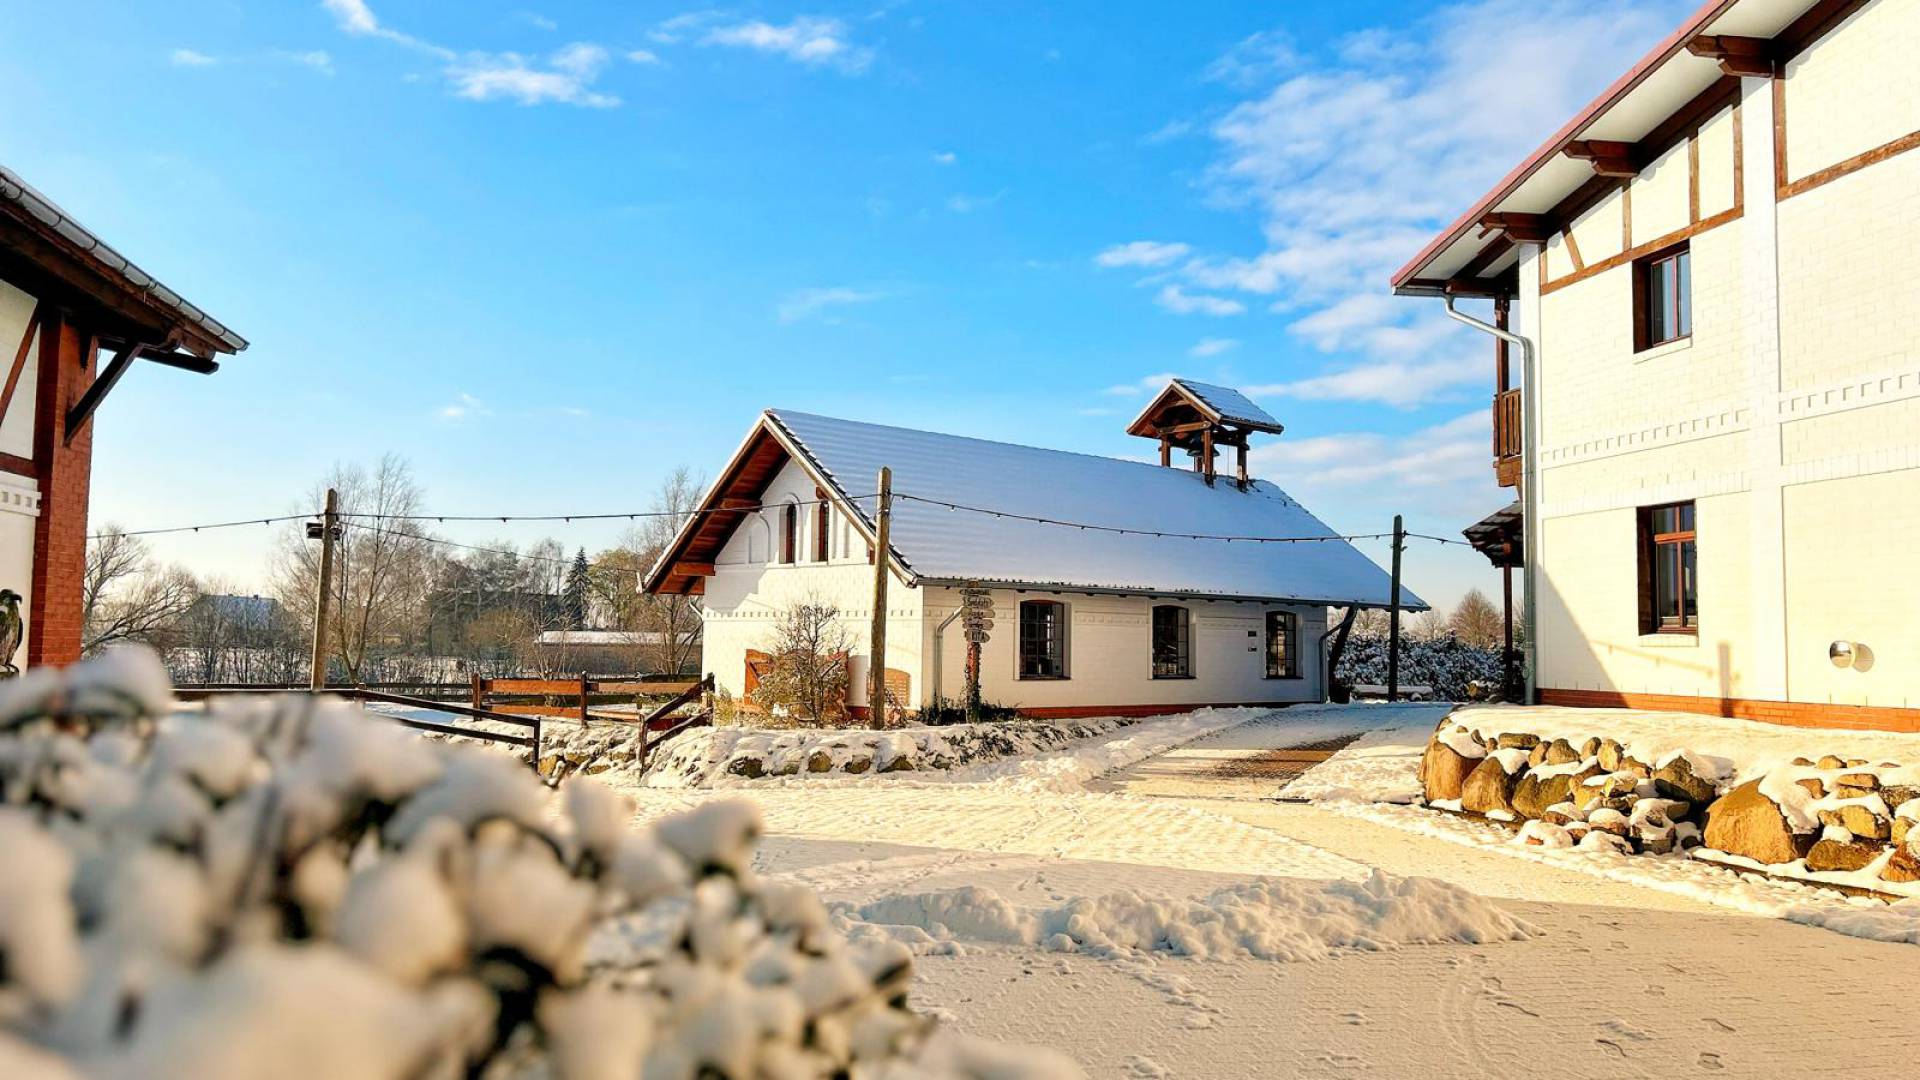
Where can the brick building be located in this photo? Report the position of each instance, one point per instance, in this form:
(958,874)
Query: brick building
(1708,275)
(75,316)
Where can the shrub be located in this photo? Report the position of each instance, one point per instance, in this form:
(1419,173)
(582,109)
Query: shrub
(807,678)
(286,886)
(1456,671)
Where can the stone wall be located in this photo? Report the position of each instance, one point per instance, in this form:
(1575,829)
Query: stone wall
(1843,820)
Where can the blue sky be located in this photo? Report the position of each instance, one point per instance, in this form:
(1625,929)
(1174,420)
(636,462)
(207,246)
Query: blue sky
(550,250)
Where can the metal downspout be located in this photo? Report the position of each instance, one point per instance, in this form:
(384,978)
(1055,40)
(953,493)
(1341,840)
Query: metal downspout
(938,654)
(1529,479)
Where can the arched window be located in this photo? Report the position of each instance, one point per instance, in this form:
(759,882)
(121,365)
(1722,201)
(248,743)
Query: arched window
(1172,642)
(1043,639)
(789,532)
(822,527)
(1283,645)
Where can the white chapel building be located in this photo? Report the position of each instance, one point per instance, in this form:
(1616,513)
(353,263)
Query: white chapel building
(1086,622)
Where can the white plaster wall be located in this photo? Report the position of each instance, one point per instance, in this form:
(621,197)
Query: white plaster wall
(19,506)
(16,427)
(747,594)
(1855,89)
(1660,197)
(1109,654)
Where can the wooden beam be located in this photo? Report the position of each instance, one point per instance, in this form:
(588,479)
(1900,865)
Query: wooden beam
(737,504)
(1619,160)
(694,569)
(1519,228)
(19,362)
(1748,57)
(103,384)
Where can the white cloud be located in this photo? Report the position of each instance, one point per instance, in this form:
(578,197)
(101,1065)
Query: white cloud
(462,407)
(673,31)
(643,56)
(815,303)
(967,204)
(567,77)
(316,59)
(536,20)
(1141,253)
(945,157)
(1352,163)
(1403,384)
(1212,346)
(807,39)
(190,58)
(1450,456)
(355,17)
(1181,302)
(1140,386)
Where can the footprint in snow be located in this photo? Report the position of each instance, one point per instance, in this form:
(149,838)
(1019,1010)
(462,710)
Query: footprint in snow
(1145,1068)
(1355,1018)
(1625,1030)
(1710,1060)
(1720,1025)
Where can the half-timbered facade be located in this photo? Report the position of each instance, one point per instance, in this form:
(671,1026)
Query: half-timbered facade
(75,317)
(1085,621)
(1718,456)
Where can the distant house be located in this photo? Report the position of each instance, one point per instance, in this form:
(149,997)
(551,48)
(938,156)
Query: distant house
(1718,451)
(75,316)
(1085,622)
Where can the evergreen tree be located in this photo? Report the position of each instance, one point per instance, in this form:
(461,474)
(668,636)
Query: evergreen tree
(579,581)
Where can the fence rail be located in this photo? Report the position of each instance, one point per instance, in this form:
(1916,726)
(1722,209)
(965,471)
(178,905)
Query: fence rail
(365,694)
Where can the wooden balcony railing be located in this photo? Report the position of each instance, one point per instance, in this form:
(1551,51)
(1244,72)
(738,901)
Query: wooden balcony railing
(1506,437)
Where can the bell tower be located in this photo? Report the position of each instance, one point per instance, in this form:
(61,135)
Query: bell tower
(1199,419)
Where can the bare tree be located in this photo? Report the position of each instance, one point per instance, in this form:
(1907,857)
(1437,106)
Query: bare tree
(383,564)
(807,679)
(1475,621)
(126,597)
(671,622)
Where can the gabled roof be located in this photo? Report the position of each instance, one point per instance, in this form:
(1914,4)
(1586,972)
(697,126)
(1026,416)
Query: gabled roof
(1220,404)
(933,545)
(1668,90)
(55,243)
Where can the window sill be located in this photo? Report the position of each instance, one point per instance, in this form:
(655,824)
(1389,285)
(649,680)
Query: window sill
(1665,348)
(1041,678)
(1170,678)
(1671,640)
(1283,678)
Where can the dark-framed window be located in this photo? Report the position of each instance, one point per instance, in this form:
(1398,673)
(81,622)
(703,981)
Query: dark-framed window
(1172,642)
(1283,645)
(822,526)
(1662,297)
(789,533)
(1669,582)
(1043,639)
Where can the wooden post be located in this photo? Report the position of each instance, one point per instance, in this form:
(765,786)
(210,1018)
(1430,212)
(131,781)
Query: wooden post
(877,664)
(584,687)
(323,599)
(477,695)
(1242,461)
(1166,450)
(1393,613)
(1206,455)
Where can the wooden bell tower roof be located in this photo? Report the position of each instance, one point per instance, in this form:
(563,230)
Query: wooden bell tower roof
(1197,418)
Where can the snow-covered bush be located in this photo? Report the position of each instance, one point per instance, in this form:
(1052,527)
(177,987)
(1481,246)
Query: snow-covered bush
(290,887)
(1455,670)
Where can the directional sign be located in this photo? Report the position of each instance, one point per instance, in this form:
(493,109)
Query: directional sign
(976,600)
(977,637)
(982,623)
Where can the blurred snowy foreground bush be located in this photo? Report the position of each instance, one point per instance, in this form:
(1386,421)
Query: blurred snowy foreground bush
(289,887)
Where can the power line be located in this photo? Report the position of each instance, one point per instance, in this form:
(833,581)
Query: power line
(615,516)
(205,527)
(508,552)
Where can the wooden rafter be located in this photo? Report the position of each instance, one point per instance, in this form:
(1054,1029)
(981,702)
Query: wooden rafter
(19,361)
(1748,57)
(1518,228)
(1619,160)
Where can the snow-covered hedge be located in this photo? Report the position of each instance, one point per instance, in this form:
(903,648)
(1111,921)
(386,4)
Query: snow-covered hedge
(707,757)
(1456,671)
(291,887)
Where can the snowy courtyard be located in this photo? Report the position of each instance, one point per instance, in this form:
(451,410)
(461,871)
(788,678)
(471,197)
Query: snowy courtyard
(1220,928)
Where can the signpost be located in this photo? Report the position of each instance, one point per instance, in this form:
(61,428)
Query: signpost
(976,618)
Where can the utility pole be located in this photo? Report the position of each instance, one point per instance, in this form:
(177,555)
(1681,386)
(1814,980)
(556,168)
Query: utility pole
(877,665)
(1393,613)
(327,530)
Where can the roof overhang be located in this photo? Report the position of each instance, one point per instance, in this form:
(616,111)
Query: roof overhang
(1168,594)
(684,564)
(1686,78)
(1147,423)
(43,245)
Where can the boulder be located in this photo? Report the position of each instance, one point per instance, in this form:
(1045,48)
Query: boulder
(900,763)
(1831,762)
(1903,867)
(1847,791)
(819,761)
(1561,752)
(1561,814)
(1842,855)
(1896,795)
(1676,780)
(748,767)
(1537,756)
(1443,772)
(1859,780)
(1516,740)
(1746,823)
(1488,788)
(857,765)
(1590,748)
(1814,786)
(1607,820)
(1610,754)
(1533,794)
(1899,830)
(1858,820)
(1805,763)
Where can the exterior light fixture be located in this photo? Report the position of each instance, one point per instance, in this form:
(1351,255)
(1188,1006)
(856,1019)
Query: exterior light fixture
(1841,653)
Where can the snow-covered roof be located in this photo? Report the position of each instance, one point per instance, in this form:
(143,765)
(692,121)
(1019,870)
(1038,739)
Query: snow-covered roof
(941,546)
(1233,406)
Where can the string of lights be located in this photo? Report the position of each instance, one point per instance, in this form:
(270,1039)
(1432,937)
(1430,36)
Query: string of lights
(354,519)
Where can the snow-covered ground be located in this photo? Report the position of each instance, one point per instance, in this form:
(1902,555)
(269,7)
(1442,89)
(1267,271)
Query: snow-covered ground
(1052,903)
